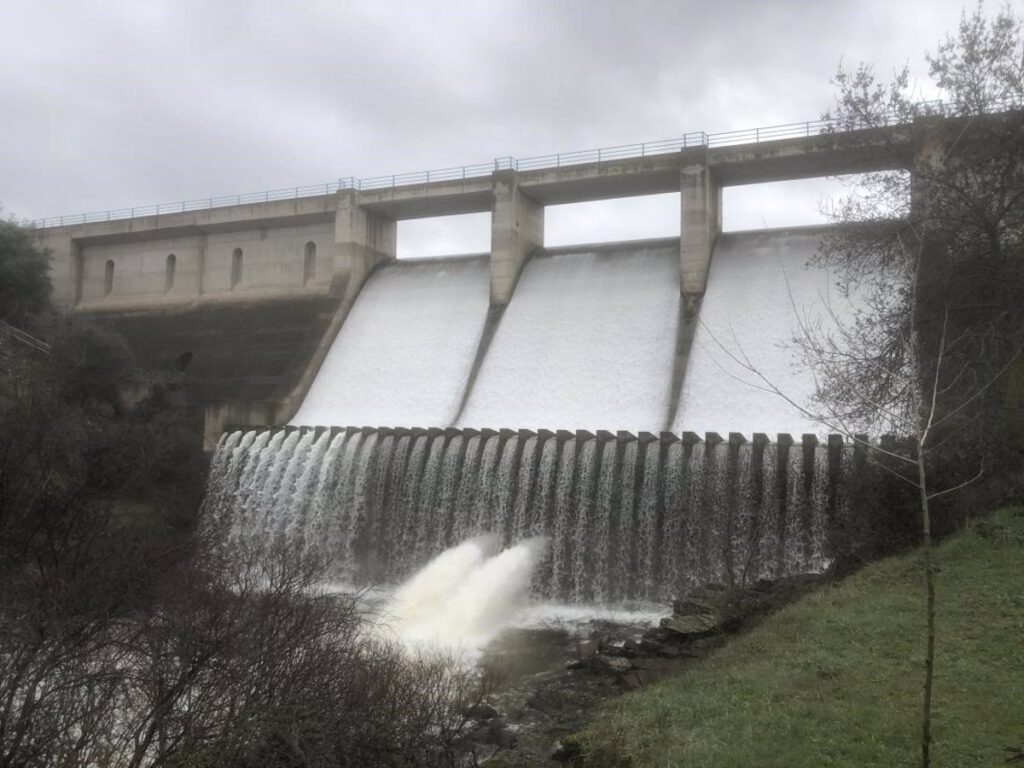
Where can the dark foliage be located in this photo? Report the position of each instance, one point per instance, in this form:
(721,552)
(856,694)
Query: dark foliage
(24,274)
(129,635)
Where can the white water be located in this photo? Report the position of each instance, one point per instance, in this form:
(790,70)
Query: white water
(747,308)
(404,353)
(465,596)
(587,342)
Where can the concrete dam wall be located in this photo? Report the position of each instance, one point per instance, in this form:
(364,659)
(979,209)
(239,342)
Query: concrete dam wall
(567,414)
(522,392)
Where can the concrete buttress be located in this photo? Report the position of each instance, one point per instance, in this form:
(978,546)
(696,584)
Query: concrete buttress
(700,224)
(517,228)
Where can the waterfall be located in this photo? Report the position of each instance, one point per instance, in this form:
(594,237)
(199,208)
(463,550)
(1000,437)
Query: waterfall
(626,517)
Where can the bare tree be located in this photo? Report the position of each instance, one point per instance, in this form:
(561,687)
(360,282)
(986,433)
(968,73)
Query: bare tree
(932,253)
(126,642)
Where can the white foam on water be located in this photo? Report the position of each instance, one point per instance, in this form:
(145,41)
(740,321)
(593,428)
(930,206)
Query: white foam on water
(587,342)
(582,615)
(464,597)
(748,309)
(404,353)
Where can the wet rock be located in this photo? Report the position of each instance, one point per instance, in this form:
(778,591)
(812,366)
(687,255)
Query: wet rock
(616,664)
(482,753)
(586,649)
(693,624)
(694,606)
(627,649)
(565,750)
(480,711)
(503,737)
(496,732)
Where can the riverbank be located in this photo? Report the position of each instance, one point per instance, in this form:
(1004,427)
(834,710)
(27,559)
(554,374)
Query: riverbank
(835,678)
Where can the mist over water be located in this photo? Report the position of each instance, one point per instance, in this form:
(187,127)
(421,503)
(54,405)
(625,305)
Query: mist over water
(465,596)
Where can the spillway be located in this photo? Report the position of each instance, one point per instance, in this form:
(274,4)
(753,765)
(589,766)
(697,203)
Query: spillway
(590,340)
(404,353)
(637,508)
(587,342)
(759,287)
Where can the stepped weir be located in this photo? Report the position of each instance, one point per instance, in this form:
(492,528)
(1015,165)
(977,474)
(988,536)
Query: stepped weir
(627,516)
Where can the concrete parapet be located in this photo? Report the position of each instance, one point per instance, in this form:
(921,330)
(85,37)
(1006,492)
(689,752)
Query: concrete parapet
(517,228)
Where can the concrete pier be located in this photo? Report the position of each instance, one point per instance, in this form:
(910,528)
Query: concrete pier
(700,213)
(363,239)
(517,228)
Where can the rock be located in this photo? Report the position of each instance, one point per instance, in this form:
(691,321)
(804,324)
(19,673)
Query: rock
(694,624)
(495,732)
(565,750)
(693,606)
(668,650)
(482,753)
(660,635)
(627,649)
(503,737)
(480,711)
(615,664)
(572,666)
(586,649)
(651,647)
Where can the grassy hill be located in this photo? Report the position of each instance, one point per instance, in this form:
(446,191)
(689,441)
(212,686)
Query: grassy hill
(835,679)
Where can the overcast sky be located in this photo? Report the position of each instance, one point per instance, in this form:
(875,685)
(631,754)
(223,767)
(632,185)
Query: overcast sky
(114,104)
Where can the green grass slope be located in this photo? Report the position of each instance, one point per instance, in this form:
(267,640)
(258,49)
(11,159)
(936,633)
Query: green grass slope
(835,679)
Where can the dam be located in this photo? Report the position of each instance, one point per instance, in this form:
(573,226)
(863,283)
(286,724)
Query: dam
(372,412)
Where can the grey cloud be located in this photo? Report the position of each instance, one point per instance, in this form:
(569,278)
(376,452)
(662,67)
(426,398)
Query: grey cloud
(113,104)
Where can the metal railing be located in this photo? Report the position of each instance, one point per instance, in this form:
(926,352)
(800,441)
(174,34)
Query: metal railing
(16,334)
(541,162)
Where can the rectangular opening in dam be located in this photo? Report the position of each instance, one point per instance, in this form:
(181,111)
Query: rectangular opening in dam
(605,221)
(444,236)
(779,204)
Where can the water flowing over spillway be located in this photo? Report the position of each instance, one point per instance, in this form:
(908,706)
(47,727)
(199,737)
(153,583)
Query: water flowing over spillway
(405,351)
(759,288)
(626,517)
(587,342)
(590,340)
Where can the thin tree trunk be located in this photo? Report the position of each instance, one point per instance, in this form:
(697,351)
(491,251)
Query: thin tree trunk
(929,578)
